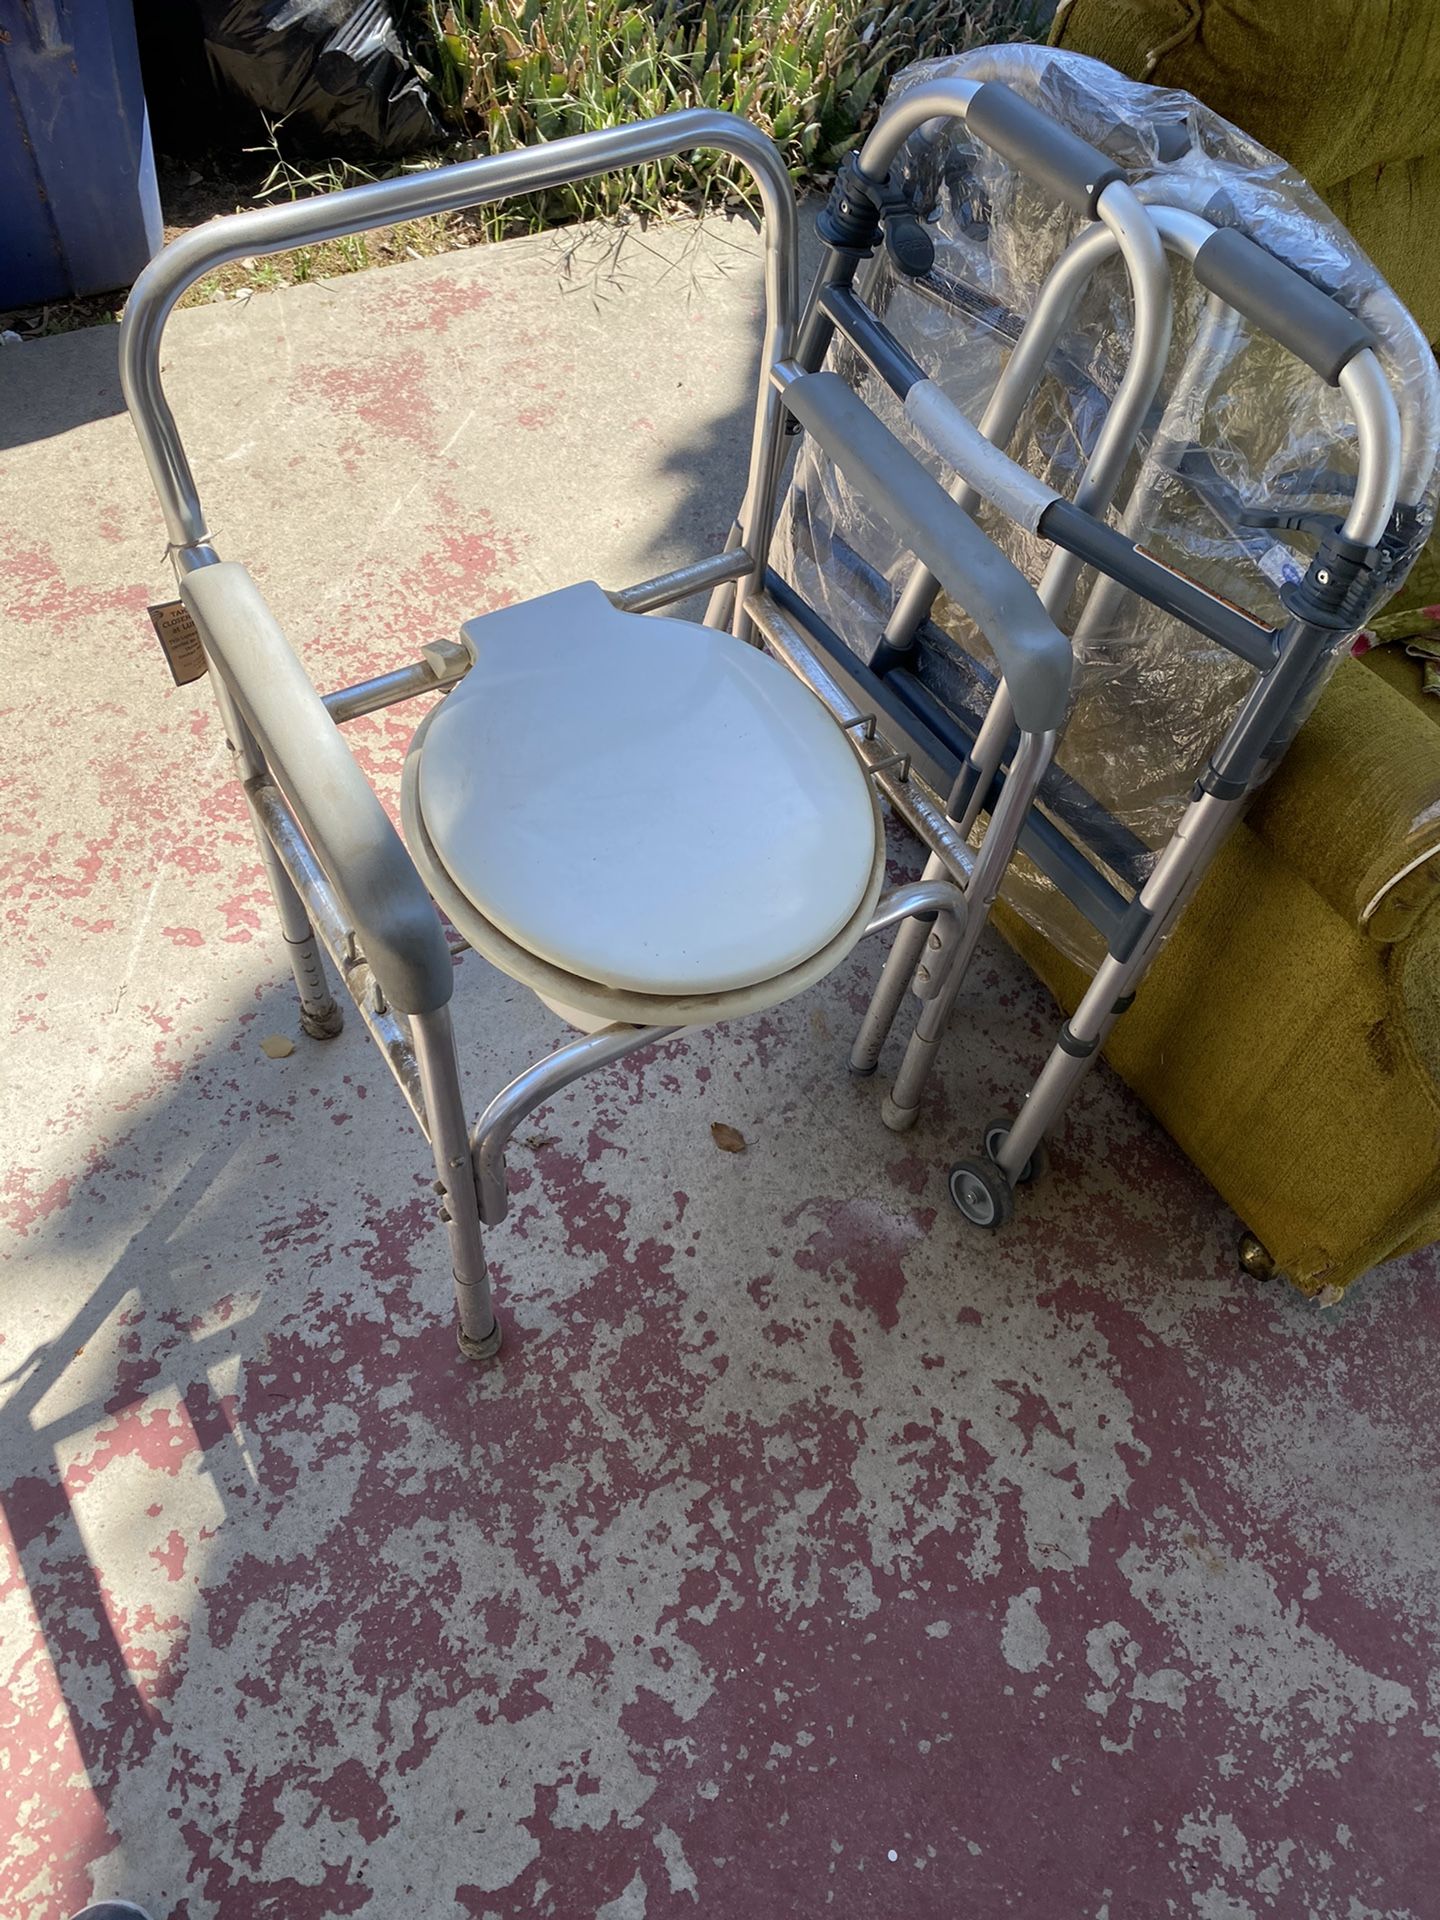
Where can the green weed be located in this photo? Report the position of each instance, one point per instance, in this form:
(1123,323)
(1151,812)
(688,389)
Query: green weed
(810,72)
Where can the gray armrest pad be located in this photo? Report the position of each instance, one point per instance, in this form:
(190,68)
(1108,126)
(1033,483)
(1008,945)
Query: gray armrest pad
(1040,147)
(1034,655)
(350,832)
(1301,316)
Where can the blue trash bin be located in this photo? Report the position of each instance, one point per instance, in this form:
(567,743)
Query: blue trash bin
(79,207)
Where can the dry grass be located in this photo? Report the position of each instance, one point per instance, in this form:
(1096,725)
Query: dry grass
(810,72)
(510,72)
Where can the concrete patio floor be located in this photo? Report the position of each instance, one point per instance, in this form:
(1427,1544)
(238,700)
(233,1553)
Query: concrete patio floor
(806,1553)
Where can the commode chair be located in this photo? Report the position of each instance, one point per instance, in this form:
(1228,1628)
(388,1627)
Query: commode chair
(707,838)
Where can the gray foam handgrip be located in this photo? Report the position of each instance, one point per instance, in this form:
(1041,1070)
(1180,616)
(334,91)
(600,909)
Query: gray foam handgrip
(1034,655)
(364,858)
(1172,141)
(1038,147)
(1281,302)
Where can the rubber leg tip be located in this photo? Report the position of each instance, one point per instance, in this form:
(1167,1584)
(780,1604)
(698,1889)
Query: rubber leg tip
(898,1119)
(324,1026)
(485,1349)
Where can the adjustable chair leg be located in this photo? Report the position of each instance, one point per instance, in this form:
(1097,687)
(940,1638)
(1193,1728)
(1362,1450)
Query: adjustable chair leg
(478,1330)
(321,1014)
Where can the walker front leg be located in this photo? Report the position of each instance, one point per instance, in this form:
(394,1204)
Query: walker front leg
(962,809)
(1034,751)
(478,1330)
(904,957)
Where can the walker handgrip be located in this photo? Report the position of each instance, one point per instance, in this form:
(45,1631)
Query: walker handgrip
(1038,147)
(348,829)
(1034,655)
(1280,301)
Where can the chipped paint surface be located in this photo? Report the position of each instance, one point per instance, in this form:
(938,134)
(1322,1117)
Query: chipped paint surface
(806,1553)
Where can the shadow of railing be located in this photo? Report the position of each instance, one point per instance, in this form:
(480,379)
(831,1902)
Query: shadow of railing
(128,1386)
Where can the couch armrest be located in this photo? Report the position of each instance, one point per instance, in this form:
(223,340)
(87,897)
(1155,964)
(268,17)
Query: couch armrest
(350,832)
(1354,807)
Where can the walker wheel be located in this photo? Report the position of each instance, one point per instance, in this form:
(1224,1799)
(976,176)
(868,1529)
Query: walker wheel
(982,1193)
(1036,1165)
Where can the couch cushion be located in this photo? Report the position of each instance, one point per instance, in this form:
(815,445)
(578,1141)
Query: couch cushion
(1344,91)
(1355,807)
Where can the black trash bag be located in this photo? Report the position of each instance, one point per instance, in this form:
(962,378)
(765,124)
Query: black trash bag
(333,70)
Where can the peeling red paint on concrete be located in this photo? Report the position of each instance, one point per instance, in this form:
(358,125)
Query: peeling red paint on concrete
(23,1206)
(642,1607)
(430,309)
(392,397)
(35,589)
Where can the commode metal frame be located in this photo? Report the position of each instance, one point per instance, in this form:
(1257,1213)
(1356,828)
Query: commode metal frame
(339,875)
(338,871)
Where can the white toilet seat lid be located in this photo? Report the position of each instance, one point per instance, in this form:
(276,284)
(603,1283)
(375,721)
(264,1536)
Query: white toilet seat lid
(643,802)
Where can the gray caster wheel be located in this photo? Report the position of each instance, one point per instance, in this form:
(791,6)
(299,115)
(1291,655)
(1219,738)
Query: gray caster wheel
(1033,1168)
(982,1193)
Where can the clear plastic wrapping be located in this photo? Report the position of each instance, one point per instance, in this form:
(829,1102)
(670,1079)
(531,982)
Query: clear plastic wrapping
(1240,430)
